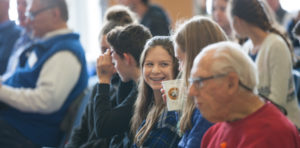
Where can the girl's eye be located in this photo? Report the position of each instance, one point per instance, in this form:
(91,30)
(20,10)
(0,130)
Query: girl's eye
(164,64)
(148,64)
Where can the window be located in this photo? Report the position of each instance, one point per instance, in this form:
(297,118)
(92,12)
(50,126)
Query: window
(84,18)
(290,5)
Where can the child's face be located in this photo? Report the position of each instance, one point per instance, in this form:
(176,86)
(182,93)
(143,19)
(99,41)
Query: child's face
(158,67)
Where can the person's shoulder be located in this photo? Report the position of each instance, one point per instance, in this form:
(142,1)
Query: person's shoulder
(196,116)
(265,121)
(216,127)
(17,27)
(274,42)
(199,121)
(273,133)
(155,7)
(274,38)
(68,41)
(11,29)
(155,10)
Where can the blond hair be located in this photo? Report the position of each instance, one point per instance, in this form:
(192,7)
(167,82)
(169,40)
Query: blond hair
(191,37)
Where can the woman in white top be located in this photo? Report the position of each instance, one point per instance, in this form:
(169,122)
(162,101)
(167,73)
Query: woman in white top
(272,54)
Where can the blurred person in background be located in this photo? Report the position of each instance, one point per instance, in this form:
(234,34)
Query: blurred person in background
(151,16)
(9,33)
(271,52)
(296,30)
(291,24)
(39,94)
(282,16)
(21,49)
(200,7)
(219,14)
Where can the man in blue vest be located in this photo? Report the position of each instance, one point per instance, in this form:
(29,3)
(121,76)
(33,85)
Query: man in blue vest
(38,94)
(9,33)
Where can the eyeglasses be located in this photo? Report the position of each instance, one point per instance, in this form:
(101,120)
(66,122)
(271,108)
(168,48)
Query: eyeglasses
(198,82)
(32,15)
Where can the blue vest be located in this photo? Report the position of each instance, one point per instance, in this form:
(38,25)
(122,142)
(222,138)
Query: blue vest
(44,129)
(9,33)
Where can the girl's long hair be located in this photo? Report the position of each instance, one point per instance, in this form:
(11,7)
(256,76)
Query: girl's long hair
(257,12)
(145,106)
(191,37)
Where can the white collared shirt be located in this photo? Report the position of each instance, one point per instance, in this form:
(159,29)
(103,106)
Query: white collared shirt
(57,78)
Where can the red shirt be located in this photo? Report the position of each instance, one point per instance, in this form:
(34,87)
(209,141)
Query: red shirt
(265,128)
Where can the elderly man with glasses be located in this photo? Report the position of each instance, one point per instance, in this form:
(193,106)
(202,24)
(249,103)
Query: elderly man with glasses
(38,94)
(223,84)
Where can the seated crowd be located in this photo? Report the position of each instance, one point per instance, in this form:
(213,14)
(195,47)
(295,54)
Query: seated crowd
(235,94)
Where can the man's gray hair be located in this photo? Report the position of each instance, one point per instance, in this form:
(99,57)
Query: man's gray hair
(229,57)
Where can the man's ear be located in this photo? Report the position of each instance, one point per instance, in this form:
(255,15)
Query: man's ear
(233,83)
(56,12)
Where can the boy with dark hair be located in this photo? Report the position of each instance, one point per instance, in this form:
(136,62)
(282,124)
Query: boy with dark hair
(110,114)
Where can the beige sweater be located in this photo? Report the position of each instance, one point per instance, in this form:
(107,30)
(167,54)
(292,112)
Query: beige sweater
(276,82)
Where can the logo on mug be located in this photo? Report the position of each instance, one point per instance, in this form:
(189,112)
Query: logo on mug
(173,93)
